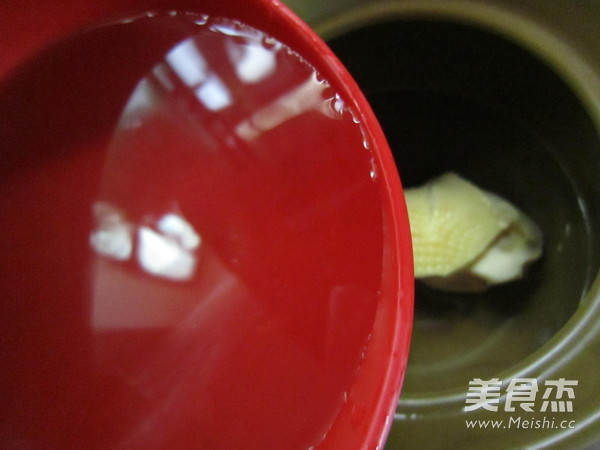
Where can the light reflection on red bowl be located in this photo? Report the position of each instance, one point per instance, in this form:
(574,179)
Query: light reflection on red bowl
(199,251)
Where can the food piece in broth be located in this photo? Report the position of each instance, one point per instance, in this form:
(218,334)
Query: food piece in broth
(466,239)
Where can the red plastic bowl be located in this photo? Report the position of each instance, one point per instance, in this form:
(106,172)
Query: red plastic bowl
(193,257)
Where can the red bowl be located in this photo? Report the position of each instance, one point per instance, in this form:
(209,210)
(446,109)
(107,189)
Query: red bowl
(198,251)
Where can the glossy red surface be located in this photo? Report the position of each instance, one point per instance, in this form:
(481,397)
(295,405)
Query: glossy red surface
(204,243)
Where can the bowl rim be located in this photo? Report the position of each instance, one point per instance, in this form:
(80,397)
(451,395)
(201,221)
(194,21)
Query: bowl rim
(539,34)
(388,345)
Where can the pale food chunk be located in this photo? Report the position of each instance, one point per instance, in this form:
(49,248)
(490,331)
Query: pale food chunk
(466,239)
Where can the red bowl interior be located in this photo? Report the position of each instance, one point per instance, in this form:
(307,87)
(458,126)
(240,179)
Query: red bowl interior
(283,321)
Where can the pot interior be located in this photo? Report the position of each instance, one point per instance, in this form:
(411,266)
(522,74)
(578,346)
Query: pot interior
(452,96)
